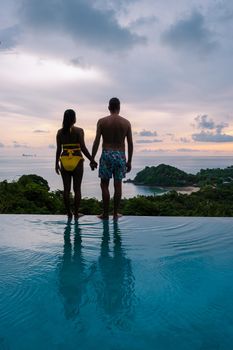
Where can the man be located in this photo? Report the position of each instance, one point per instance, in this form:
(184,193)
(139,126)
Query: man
(114,129)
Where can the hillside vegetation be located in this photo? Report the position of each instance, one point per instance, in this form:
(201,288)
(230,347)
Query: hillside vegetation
(166,175)
(31,195)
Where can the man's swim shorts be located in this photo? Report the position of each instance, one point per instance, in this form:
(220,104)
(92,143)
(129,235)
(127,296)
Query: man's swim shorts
(112,163)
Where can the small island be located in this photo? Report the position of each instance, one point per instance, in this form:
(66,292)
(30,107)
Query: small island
(168,176)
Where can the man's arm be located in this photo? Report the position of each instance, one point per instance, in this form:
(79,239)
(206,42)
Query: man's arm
(130,148)
(97,140)
(58,153)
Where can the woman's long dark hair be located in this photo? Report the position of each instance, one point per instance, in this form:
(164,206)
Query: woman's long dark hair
(68,120)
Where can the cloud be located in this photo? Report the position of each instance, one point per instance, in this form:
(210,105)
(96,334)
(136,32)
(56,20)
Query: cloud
(171,135)
(51,146)
(184,140)
(148,141)
(144,21)
(9,37)
(206,136)
(150,80)
(220,126)
(80,62)
(187,150)
(2,145)
(80,21)
(19,145)
(38,131)
(146,133)
(190,34)
(148,150)
(202,122)
(113,4)
(205,123)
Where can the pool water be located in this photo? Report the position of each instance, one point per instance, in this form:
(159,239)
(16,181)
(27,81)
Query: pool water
(142,283)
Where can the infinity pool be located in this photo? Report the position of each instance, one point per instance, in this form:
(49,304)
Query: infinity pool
(144,283)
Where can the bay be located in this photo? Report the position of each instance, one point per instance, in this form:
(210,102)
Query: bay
(11,168)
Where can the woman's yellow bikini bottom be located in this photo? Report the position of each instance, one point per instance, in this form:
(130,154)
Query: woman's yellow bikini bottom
(70,160)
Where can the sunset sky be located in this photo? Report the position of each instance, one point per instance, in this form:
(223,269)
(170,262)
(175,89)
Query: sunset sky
(169,62)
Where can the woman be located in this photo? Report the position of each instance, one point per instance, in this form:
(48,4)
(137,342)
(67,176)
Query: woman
(69,160)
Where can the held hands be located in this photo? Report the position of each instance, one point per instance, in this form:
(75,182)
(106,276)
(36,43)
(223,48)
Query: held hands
(93,164)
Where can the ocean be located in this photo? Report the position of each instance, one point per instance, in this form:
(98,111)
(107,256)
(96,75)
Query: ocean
(11,168)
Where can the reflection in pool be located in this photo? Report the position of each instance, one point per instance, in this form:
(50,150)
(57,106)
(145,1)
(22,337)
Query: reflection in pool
(115,291)
(73,276)
(141,283)
(110,278)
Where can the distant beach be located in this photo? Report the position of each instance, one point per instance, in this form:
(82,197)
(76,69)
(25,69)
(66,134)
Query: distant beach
(183,190)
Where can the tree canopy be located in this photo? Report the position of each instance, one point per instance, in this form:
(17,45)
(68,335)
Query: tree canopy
(166,175)
(31,195)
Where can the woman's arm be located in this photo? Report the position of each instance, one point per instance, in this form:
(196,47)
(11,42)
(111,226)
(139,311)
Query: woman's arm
(58,153)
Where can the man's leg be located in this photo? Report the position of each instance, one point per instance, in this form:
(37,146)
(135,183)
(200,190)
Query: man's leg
(106,198)
(117,197)
(77,180)
(66,177)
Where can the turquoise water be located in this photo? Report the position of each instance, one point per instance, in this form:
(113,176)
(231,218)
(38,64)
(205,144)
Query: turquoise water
(144,283)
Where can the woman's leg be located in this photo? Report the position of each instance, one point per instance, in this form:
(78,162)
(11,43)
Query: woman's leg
(66,177)
(77,180)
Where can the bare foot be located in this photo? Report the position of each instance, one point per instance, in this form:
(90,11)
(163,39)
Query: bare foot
(103,217)
(77,216)
(117,216)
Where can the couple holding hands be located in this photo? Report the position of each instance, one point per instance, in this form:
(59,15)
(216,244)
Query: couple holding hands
(114,130)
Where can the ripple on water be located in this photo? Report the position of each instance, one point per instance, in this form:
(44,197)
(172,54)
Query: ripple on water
(199,238)
(24,281)
(186,271)
(156,280)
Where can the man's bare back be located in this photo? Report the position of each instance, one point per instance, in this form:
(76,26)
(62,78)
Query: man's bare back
(114,130)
